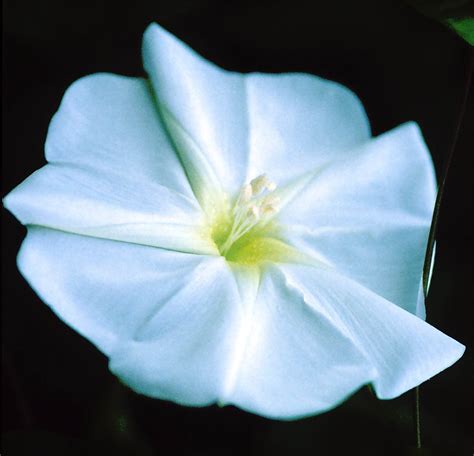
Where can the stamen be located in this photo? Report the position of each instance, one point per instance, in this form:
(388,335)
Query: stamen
(271,200)
(254,205)
(271,186)
(269,210)
(261,183)
(254,212)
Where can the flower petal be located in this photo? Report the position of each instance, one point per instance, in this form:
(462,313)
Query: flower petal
(183,352)
(296,361)
(230,127)
(299,121)
(403,350)
(85,200)
(110,122)
(113,173)
(369,215)
(204,108)
(105,290)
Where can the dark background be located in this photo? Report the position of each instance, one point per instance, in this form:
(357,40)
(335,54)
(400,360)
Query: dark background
(58,396)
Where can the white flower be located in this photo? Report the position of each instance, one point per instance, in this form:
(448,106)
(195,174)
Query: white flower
(157,232)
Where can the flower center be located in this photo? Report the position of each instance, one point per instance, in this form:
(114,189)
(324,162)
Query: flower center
(254,206)
(246,232)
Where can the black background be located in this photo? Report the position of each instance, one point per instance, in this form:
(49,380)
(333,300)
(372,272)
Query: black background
(58,396)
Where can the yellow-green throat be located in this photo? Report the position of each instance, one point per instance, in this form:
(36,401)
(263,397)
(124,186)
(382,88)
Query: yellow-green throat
(247,232)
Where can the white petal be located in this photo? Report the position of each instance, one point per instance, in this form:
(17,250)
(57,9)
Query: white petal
(230,127)
(111,122)
(85,200)
(296,361)
(299,121)
(106,290)
(183,352)
(369,215)
(403,350)
(204,108)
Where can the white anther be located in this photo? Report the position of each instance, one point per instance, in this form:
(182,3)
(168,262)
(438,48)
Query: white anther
(269,210)
(259,183)
(254,211)
(271,186)
(271,200)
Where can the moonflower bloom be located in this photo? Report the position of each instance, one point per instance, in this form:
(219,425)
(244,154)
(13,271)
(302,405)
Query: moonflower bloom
(234,238)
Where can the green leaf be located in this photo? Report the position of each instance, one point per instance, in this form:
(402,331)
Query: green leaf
(463,27)
(458,15)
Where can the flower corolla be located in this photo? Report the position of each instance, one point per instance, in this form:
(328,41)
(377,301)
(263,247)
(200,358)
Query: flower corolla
(234,238)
